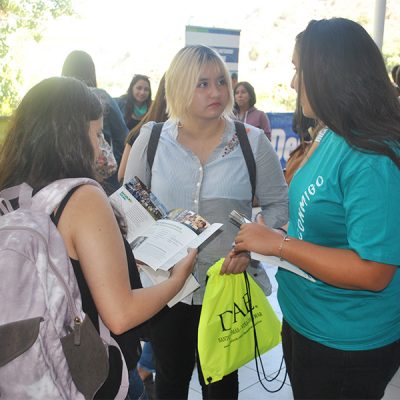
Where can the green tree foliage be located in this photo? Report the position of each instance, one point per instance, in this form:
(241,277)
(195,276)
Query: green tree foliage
(29,15)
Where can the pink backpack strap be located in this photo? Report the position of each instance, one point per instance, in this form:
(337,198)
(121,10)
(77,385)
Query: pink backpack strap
(124,385)
(5,206)
(48,198)
(21,192)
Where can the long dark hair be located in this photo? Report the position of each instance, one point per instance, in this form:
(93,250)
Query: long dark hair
(130,100)
(80,65)
(48,137)
(348,87)
(157,111)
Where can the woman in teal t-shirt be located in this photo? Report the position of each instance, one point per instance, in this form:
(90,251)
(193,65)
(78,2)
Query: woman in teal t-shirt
(341,333)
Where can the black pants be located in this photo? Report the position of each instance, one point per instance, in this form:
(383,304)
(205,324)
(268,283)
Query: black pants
(174,340)
(320,372)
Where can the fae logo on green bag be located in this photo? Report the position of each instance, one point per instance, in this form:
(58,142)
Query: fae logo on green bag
(243,310)
(226,331)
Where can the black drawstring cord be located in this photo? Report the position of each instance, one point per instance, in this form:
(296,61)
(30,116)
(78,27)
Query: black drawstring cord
(257,356)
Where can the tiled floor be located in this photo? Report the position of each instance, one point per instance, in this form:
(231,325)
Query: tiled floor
(249,386)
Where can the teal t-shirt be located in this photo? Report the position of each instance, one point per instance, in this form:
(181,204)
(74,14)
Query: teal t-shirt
(344,198)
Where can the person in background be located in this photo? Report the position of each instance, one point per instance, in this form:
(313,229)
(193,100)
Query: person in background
(199,153)
(245,99)
(146,369)
(341,334)
(137,100)
(234,79)
(79,64)
(54,135)
(157,112)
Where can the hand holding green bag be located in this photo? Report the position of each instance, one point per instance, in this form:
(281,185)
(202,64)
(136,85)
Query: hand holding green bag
(226,339)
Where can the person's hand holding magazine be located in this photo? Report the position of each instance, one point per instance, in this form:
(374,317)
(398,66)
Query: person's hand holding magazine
(184,267)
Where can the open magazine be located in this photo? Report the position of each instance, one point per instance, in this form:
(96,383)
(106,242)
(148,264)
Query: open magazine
(158,238)
(238,219)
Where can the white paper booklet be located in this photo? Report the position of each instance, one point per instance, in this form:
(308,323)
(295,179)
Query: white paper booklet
(159,238)
(277,262)
(149,277)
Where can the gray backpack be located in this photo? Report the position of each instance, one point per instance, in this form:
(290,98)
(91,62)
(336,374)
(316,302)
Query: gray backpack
(49,349)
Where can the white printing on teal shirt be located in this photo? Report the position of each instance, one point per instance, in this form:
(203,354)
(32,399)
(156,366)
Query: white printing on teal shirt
(305,199)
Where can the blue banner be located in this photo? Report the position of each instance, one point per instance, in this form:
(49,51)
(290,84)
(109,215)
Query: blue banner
(283,139)
(228,54)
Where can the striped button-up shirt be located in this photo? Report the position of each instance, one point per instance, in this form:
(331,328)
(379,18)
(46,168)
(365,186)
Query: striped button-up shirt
(214,189)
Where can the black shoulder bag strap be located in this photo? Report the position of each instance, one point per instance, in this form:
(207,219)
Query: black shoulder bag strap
(153,143)
(247,153)
(243,141)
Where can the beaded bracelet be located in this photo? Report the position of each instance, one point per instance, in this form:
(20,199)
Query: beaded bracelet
(285,239)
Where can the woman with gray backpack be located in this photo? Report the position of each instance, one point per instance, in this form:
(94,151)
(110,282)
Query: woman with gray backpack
(62,290)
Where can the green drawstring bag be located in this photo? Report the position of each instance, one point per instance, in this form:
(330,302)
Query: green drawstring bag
(237,323)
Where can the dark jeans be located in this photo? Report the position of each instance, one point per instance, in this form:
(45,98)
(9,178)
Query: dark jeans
(174,340)
(136,388)
(321,372)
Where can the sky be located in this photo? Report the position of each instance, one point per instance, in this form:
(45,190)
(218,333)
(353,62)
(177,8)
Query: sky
(144,35)
(126,37)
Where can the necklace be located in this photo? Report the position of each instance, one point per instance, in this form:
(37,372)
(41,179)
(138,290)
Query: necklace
(315,144)
(242,116)
(321,134)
